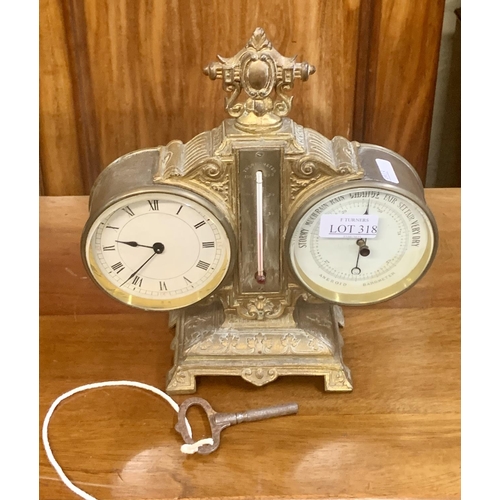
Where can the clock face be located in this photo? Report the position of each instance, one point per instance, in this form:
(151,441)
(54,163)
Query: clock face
(361,245)
(158,251)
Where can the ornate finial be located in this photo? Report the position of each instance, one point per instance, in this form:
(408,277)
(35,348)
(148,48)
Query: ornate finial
(258,69)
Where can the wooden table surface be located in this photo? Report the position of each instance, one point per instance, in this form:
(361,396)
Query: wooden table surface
(397,435)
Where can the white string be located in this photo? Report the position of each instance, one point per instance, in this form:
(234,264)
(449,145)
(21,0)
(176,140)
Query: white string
(185,448)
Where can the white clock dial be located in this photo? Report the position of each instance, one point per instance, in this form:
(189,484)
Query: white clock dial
(158,251)
(351,266)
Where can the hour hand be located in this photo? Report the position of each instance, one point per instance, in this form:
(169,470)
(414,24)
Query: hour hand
(133,244)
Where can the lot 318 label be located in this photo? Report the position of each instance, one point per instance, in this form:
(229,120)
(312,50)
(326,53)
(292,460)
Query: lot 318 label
(348,226)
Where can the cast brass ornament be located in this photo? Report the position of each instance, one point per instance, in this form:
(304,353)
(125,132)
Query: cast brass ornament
(259,70)
(254,234)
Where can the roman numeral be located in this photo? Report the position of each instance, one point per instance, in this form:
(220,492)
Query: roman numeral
(163,286)
(186,280)
(154,204)
(203,265)
(112,227)
(128,210)
(109,249)
(202,223)
(137,281)
(180,208)
(208,244)
(118,267)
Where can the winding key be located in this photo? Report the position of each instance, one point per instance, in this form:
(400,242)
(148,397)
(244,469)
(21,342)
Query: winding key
(219,421)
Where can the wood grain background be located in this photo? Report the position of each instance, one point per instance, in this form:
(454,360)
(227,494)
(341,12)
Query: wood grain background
(120,75)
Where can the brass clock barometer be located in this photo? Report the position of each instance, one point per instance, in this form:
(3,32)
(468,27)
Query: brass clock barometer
(253,234)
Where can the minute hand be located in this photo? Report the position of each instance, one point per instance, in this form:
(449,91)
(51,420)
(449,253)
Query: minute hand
(135,272)
(158,248)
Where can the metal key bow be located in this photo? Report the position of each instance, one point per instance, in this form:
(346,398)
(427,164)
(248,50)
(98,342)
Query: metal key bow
(219,421)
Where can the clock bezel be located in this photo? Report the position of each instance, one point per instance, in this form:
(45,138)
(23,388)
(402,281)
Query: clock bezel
(161,305)
(416,274)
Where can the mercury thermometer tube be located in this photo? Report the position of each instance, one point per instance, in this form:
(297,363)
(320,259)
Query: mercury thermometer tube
(260,275)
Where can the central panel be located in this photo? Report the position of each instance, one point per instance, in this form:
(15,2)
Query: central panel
(259,172)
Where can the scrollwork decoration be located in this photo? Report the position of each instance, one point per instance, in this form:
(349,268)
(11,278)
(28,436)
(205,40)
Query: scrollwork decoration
(283,106)
(345,156)
(303,174)
(258,69)
(259,375)
(261,307)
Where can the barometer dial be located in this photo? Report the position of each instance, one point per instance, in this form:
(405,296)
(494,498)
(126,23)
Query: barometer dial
(362,245)
(157,251)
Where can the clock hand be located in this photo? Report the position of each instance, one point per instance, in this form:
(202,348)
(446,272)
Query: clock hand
(133,244)
(363,248)
(158,249)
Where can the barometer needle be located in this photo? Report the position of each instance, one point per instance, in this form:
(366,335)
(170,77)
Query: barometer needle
(158,249)
(362,247)
(133,244)
(356,269)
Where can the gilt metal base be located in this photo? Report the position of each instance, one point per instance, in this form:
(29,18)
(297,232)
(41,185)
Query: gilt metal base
(258,351)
